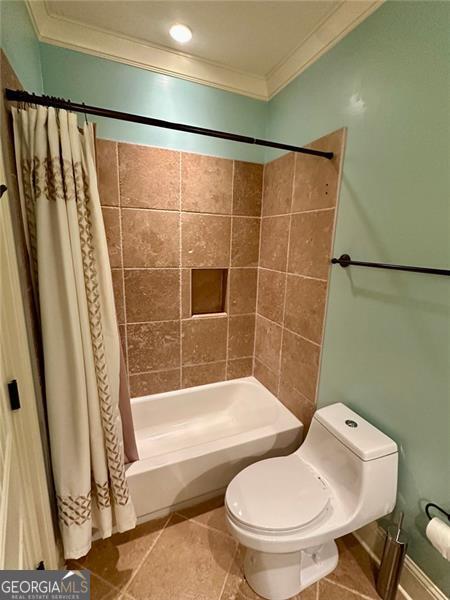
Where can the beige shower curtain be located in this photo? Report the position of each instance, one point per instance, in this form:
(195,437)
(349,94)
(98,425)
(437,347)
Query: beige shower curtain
(67,245)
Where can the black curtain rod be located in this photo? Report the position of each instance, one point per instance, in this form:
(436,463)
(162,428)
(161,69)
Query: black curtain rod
(21,96)
(345,261)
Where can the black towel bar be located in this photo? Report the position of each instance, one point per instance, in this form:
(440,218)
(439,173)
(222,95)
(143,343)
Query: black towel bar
(345,260)
(432,505)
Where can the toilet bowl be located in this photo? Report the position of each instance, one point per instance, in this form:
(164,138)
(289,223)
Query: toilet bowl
(288,511)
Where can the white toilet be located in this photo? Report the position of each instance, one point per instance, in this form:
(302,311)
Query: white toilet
(288,511)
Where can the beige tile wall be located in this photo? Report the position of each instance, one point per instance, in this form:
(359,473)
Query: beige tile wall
(165,213)
(298,215)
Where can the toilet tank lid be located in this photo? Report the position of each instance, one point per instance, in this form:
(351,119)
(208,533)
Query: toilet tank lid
(362,438)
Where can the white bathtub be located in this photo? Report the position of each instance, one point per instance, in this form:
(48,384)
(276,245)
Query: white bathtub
(192,442)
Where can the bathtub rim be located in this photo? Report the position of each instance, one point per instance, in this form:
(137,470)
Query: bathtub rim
(285,421)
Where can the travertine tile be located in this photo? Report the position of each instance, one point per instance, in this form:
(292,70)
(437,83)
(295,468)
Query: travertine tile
(154,383)
(242,291)
(316,179)
(271,286)
(117,281)
(305,306)
(205,240)
(204,340)
(355,569)
(153,346)
(152,295)
(300,364)
(100,590)
(267,377)
(210,513)
(122,331)
(203,374)
(111,219)
(330,591)
(245,242)
(107,172)
(268,342)
(117,558)
(240,367)
(298,404)
(149,177)
(274,242)
(150,238)
(310,245)
(206,183)
(188,562)
(278,179)
(241,336)
(247,188)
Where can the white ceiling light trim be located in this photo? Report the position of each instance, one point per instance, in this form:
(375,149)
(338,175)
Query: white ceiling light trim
(70,34)
(180,33)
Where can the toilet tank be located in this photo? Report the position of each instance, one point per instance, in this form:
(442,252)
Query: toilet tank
(358,460)
(357,434)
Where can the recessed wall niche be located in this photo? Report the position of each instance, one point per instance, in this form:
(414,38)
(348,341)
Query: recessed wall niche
(209,291)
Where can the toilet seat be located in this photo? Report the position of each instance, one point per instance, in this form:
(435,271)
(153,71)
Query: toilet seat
(277,495)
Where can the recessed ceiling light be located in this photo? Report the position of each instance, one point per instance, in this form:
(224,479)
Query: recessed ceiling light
(180,33)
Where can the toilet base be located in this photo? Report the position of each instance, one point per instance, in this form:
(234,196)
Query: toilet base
(281,576)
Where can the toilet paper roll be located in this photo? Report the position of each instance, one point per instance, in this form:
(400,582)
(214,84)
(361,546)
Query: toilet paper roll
(439,535)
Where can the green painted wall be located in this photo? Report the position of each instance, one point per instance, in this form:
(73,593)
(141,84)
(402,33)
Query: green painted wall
(121,87)
(19,42)
(387,343)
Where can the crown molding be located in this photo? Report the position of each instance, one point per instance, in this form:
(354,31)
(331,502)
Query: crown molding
(348,15)
(100,42)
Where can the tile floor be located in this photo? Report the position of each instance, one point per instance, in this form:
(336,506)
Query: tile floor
(191,556)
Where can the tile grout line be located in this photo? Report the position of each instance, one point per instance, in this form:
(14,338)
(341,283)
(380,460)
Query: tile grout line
(146,554)
(203,364)
(213,214)
(291,331)
(180,279)
(204,525)
(169,268)
(191,319)
(348,589)
(227,291)
(229,571)
(258,269)
(99,577)
(299,212)
(187,212)
(294,274)
(125,323)
(286,276)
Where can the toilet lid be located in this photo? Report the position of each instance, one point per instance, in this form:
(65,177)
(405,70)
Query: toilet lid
(277,494)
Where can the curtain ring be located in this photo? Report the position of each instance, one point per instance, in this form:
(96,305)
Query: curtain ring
(85,115)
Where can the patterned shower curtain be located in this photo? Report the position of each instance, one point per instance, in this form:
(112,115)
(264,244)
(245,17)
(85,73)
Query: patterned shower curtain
(72,280)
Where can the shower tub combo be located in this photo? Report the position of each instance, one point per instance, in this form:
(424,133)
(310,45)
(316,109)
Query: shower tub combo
(192,442)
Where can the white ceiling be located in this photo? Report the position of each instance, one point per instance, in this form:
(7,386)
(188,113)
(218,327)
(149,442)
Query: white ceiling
(248,36)
(252,47)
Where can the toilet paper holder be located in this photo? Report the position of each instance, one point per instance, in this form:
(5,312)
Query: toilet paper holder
(432,505)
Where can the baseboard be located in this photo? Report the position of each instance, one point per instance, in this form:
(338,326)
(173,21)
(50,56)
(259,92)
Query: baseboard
(414,584)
